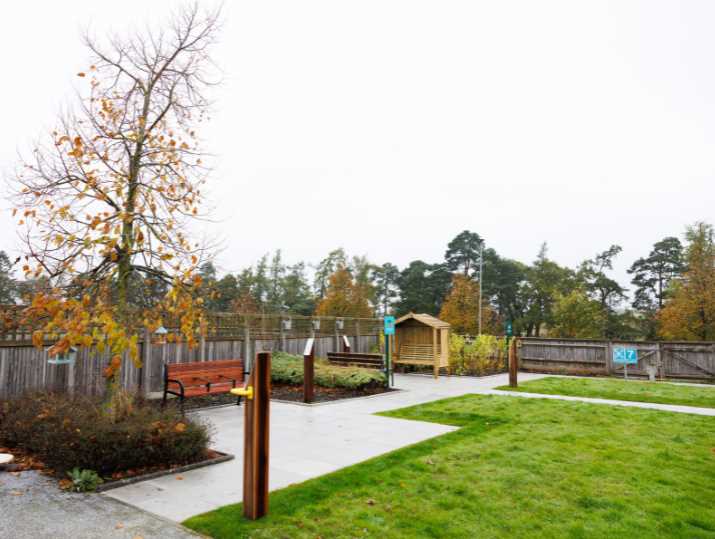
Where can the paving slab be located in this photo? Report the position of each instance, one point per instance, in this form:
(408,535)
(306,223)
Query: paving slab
(32,507)
(306,442)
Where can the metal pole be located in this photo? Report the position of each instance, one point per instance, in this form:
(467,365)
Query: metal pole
(481,269)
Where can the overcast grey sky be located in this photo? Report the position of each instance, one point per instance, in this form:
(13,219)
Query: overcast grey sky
(388,126)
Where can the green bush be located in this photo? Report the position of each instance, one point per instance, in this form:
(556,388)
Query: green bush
(84,480)
(485,354)
(67,432)
(288,369)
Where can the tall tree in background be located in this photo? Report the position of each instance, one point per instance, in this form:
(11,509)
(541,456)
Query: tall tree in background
(462,253)
(598,284)
(8,286)
(344,297)
(327,267)
(298,297)
(275,293)
(545,281)
(106,200)
(423,287)
(461,308)
(504,282)
(577,316)
(652,276)
(386,278)
(690,312)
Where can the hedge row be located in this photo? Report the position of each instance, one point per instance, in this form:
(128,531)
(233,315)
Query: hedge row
(288,369)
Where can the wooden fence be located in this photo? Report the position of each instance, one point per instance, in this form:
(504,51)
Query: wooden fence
(24,367)
(686,360)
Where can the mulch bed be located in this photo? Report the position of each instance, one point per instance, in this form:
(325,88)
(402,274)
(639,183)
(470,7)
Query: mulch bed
(25,461)
(286,392)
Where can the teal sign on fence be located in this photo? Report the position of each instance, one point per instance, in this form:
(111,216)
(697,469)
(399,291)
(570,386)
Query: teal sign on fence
(625,356)
(389,325)
(509,330)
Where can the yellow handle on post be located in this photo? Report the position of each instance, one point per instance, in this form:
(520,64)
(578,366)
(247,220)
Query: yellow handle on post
(243,392)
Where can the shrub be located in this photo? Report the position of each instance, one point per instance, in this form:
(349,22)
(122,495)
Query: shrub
(84,480)
(482,355)
(288,369)
(67,432)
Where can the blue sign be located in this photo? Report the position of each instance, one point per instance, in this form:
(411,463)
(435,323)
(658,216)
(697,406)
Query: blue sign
(389,325)
(509,329)
(625,356)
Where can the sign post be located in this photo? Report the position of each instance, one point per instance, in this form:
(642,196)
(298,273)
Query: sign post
(256,428)
(625,356)
(389,331)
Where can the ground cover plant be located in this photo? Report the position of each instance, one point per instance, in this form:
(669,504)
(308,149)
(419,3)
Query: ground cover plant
(624,390)
(288,369)
(66,432)
(515,468)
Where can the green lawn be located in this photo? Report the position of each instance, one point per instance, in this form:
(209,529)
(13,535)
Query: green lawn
(516,468)
(609,388)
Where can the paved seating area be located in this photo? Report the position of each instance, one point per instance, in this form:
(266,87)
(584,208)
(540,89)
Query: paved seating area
(306,441)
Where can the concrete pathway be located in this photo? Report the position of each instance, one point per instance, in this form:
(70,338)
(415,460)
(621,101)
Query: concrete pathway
(632,404)
(306,442)
(31,507)
(309,441)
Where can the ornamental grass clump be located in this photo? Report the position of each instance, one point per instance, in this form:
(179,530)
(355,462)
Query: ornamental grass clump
(67,432)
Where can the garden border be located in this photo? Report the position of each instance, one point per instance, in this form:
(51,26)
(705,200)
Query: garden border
(223,457)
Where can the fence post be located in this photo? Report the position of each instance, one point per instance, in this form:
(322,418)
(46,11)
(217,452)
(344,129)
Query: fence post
(357,336)
(609,358)
(513,364)
(256,441)
(146,363)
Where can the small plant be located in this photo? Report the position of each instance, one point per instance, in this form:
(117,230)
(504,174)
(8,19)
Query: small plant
(84,480)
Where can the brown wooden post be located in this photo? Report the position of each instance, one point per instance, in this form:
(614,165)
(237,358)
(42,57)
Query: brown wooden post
(146,363)
(256,431)
(513,364)
(309,371)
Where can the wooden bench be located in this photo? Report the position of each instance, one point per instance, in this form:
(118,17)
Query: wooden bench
(415,354)
(348,359)
(202,378)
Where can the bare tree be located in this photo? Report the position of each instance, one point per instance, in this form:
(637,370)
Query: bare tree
(106,202)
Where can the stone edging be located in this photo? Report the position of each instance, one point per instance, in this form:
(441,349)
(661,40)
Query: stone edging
(223,457)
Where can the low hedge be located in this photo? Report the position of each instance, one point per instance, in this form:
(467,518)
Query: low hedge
(288,369)
(65,432)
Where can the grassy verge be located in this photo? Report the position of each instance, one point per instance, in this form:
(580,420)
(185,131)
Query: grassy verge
(604,388)
(516,468)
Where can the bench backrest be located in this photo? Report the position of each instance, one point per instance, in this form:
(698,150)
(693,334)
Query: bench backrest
(228,367)
(354,355)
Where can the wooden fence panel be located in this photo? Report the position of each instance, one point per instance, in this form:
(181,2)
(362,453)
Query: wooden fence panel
(25,368)
(674,360)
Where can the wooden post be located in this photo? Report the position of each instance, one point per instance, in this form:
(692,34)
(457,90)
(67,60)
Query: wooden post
(513,364)
(146,363)
(246,348)
(435,355)
(309,371)
(256,443)
(609,358)
(357,336)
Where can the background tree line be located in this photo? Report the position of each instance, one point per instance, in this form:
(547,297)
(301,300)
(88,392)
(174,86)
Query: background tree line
(672,294)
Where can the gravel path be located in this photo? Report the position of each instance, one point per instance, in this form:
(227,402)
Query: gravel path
(33,507)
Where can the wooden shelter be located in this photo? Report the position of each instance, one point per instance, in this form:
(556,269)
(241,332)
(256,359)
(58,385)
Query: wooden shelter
(421,339)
